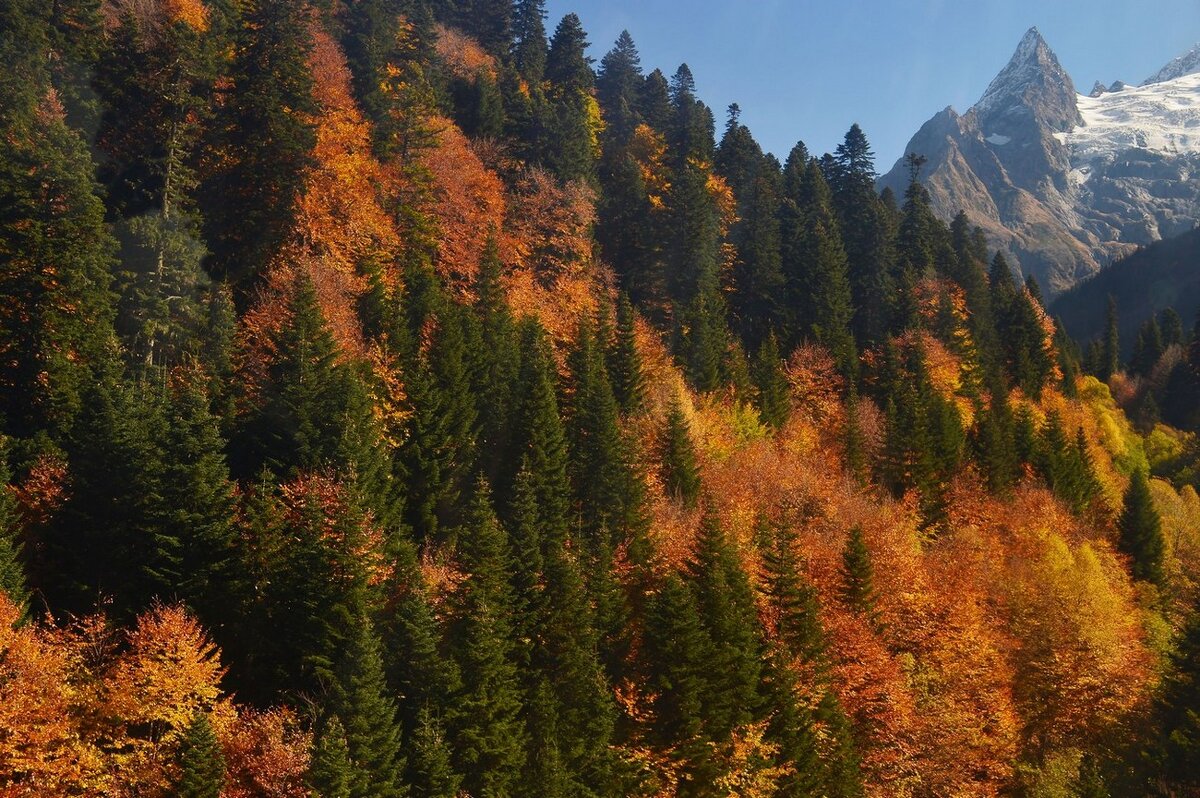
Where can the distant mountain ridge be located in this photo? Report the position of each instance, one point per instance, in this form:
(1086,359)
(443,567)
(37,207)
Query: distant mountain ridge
(1067,183)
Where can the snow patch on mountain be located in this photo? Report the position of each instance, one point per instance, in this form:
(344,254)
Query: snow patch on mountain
(1159,117)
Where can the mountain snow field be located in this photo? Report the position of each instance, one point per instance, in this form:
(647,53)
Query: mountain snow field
(1159,117)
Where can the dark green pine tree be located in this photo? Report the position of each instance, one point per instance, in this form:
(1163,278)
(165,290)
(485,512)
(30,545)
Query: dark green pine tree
(1025,442)
(858,575)
(680,474)
(431,770)
(529,47)
(619,88)
(867,236)
(312,412)
(1110,352)
(916,245)
(489,738)
(815,264)
(110,537)
(1030,361)
(1003,291)
(418,671)
(1174,752)
(540,438)
(772,394)
(361,701)
(625,362)
(201,763)
(568,144)
(607,490)
(12,569)
(545,772)
(565,655)
(330,770)
(496,366)
(656,101)
(217,343)
(757,296)
(1172,328)
(55,326)
(816,739)
(970,273)
(678,657)
(1139,530)
(855,439)
(1148,348)
(725,602)
(995,450)
(439,450)
(264,126)
(196,501)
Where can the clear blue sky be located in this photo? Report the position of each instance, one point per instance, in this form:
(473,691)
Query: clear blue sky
(806,69)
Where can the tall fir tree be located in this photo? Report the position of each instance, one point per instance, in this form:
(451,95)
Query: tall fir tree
(868,236)
(329,768)
(360,700)
(1139,530)
(858,574)
(487,729)
(55,327)
(772,393)
(1110,353)
(680,474)
(265,128)
(201,762)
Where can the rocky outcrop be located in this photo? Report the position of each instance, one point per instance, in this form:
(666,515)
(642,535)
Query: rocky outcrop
(1063,183)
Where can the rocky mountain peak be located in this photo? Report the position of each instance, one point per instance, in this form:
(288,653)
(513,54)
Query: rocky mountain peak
(1186,64)
(1034,82)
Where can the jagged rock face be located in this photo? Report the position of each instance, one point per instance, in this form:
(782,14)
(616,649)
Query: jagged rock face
(1065,183)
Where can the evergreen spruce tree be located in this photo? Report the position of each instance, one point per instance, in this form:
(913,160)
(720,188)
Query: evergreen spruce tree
(1110,354)
(487,729)
(1174,755)
(772,394)
(607,493)
(496,367)
(419,673)
(201,763)
(619,87)
(196,501)
(529,40)
(330,770)
(994,446)
(867,237)
(265,127)
(625,362)
(680,475)
(568,145)
(814,262)
(55,326)
(679,655)
(1140,531)
(431,772)
(360,700)
(725,602)
(858,577)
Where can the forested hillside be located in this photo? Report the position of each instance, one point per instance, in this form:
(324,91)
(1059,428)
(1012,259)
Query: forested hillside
(397,403)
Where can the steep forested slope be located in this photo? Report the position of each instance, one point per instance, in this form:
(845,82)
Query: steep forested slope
(393,404)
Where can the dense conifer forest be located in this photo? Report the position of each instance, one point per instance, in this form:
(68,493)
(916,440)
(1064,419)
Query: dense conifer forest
(395,402)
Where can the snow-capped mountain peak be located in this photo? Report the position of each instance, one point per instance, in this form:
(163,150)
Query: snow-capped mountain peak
(1186,64)
(1032,80)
